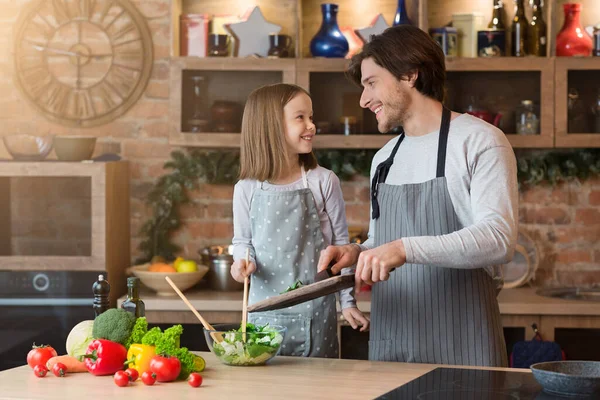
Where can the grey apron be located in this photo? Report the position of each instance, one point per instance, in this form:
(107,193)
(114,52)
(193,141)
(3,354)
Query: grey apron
(424,313)
(287,240)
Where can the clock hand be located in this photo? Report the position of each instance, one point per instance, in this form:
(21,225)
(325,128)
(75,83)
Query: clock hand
(57,51)
(71,53)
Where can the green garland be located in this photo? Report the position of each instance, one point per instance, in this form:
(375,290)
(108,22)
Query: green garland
(221,167)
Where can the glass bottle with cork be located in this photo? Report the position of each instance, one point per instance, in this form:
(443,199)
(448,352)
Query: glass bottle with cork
(497,21)
(537,40)
(518,46)
(133,303)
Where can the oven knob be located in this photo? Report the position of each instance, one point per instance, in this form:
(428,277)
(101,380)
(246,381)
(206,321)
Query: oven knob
(41,282)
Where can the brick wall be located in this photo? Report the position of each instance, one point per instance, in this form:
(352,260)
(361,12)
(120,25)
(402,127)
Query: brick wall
(564,220)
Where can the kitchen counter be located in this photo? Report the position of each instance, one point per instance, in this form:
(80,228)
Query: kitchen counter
(521,301)
(283,377)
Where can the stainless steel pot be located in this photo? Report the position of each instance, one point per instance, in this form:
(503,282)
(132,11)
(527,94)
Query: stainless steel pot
(219,260)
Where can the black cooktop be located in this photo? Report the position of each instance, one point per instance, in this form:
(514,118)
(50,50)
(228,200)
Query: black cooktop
(469,384)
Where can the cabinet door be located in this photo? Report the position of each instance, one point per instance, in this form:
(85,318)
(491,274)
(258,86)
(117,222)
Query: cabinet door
(578,336)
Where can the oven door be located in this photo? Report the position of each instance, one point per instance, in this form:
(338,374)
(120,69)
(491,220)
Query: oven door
(24,322)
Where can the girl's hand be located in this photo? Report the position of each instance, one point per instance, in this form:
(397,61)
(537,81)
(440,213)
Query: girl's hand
(355,317)
(239,270)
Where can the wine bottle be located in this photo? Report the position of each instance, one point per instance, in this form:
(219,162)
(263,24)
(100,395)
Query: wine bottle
(537,31)
(518,46)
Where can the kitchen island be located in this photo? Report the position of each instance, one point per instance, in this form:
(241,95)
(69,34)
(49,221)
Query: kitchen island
(282,378)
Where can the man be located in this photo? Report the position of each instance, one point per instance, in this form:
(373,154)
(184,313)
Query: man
(443,212)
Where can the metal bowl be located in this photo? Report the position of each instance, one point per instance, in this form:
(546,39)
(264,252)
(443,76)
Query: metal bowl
(219,260)
(568,378)
(24,147)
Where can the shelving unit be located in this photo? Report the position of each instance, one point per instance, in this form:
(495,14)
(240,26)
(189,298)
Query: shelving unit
(510,79)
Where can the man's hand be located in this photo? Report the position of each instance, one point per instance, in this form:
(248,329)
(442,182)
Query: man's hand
(239,270)
(355,317)
(344,256)
(376,264)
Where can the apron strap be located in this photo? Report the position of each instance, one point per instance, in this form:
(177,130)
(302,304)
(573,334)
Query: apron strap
(381,173)
(443,142)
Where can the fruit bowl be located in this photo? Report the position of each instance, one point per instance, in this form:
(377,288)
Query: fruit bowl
(156,280)
(229,347)
(24,147)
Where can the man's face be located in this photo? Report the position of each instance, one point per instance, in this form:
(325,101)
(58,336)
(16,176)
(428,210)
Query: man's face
(386,96)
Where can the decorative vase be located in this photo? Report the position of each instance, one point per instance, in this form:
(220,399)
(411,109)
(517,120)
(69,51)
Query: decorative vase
(401,16)
(573,40)
(329,41)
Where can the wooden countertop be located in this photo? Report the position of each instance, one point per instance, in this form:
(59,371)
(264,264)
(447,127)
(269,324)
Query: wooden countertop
(283,377)
(521,301)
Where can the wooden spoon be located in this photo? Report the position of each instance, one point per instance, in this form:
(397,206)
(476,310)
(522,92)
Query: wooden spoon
(245,301)
(216,336)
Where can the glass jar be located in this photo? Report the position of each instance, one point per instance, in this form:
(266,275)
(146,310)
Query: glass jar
(527,118)
(348,125)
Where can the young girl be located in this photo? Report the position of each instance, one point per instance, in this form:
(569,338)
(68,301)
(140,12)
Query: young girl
(286,209)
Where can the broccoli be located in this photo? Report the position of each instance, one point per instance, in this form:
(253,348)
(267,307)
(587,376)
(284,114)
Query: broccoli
(137,333)
(114,324)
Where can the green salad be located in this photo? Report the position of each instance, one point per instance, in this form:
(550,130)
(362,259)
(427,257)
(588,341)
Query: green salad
(262,342)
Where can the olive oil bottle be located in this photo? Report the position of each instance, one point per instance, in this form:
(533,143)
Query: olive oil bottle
(133,303)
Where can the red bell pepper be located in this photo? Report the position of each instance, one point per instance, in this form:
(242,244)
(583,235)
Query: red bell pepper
(104,357)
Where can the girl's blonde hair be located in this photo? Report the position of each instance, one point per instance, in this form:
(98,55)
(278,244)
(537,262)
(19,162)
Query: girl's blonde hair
(264,153)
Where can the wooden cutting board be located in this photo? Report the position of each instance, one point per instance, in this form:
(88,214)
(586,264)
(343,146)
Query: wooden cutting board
(304,293)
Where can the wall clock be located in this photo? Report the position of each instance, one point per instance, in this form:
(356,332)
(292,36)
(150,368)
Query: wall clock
(82,63)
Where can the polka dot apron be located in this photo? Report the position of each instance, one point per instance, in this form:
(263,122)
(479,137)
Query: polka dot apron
(287,239)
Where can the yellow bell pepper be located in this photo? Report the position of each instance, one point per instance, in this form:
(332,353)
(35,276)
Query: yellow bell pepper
(139,356)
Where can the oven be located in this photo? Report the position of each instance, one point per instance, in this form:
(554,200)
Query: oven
(41,307)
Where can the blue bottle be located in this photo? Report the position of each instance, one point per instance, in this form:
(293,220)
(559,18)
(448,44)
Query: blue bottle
(329,41)
(401,17)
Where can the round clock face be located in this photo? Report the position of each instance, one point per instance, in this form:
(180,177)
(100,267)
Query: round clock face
(82,62)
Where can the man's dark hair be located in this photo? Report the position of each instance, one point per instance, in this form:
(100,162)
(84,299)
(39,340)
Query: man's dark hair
(402,50)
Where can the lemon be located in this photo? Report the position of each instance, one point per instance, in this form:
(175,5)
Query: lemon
(187,266)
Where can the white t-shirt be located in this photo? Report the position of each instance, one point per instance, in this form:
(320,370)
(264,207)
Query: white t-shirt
(481,172)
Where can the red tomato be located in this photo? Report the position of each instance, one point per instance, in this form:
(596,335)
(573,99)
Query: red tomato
(59,370)
(121,378)
(133,374)
(166,368)
(39,355)
(40,371)
(195,379)
(148,378)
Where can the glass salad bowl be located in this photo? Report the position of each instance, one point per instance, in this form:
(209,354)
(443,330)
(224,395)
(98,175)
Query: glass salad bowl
(262,343)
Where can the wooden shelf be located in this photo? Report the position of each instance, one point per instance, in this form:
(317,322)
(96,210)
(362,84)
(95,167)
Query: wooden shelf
(499,64)
(531,141)
(562,67)
(232,140)
(286,65)
(206,139)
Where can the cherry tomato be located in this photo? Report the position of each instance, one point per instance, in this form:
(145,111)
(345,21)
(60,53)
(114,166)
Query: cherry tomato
(121,378)
(195,379)
(59,370)
(133,374)
(39,355)
(148,378)
(40,371)
(166,368)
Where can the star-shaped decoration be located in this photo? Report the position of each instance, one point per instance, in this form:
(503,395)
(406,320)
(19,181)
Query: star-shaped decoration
(377,27)
(253,34)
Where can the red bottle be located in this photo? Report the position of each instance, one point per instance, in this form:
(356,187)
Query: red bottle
(573,40)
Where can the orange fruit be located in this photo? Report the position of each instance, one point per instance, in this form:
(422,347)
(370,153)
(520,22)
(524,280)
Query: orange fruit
(161,267)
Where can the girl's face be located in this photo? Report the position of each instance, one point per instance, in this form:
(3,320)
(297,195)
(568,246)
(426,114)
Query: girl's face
(299,127)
